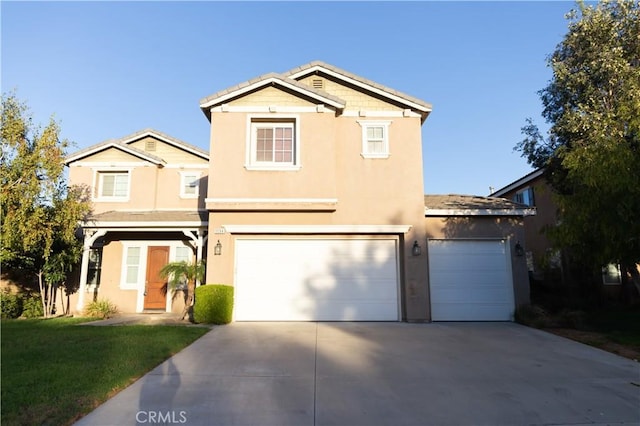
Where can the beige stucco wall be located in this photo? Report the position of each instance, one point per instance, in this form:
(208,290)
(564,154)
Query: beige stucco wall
(151,187)
(510,228)
(110,277)
(537,241)
(368,191)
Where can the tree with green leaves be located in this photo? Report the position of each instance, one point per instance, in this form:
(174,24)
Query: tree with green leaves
(40,212)
(180,273)
(591,154)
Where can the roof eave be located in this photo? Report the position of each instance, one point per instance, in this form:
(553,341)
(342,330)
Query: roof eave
(116,145)
(478,212)
(423,107)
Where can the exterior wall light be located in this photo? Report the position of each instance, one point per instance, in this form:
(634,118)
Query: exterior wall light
(416,250)
(217,250)
(519,250)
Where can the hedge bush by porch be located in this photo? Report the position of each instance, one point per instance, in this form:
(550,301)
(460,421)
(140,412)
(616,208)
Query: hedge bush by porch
(11,304)
(213,304)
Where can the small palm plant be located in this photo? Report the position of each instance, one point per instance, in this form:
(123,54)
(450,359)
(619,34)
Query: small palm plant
(180,272)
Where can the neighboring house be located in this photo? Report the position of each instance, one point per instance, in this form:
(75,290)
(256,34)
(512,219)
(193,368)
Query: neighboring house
(545,263)
(317,209)
(148,193)
(532,190)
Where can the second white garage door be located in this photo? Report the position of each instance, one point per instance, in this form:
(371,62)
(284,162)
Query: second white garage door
(316,280)
(470,280)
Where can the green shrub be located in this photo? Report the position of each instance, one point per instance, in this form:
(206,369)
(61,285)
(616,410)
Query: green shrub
(101,308)
(11,304)
(213,304)
(533,316)
(32,307)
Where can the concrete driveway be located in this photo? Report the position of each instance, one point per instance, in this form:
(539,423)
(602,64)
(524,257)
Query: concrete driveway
(381,374)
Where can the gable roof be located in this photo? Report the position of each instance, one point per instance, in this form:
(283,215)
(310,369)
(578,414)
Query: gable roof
(170,140)
(473,205)
(290,81)
(271,79)
(518,183)
(123,144)
(94,149)
(316,67)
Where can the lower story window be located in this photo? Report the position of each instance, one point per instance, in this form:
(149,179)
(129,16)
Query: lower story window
(95,267)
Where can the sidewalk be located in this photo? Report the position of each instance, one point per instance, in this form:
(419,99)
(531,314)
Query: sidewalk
(163,318)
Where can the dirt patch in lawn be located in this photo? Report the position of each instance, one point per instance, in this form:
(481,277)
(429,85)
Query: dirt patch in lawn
(599,340)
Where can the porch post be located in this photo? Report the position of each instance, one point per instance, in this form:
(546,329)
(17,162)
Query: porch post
(90,237)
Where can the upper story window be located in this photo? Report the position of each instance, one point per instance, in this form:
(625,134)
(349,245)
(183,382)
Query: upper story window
(112,185)
(273,144)
(525,197)
(375,139)
(189,184)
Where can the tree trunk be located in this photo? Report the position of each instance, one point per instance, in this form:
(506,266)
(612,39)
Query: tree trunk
(65,308)
(42,293)
(191,287)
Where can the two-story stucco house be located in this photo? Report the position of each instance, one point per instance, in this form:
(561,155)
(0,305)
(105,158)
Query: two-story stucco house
(313,203)
(317,206)
(148,193)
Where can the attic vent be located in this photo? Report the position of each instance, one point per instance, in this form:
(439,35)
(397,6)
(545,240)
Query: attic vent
(317,83)
(150,145)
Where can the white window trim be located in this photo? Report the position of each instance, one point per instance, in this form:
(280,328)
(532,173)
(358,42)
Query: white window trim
(142,270)
(183,174)
(97,185)
(249,147)
(365,124)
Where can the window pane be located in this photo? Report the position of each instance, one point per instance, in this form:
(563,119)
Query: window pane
(190,184)
(273,143)
(122,182)
(114,184)
(375,132)
(375,147)
(182,254)
(108,183)
(133,263)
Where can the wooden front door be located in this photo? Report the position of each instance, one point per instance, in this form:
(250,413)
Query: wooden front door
(155,296)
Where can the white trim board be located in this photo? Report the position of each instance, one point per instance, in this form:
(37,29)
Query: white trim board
(265,82)
(317,229)
(270,200)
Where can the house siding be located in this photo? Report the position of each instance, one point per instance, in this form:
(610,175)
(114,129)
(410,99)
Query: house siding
(385,191)
(355,99)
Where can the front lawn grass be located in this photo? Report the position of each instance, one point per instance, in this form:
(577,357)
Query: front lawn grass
(54,371)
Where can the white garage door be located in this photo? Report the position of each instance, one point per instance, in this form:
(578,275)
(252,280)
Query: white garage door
(316,280)
(470,280)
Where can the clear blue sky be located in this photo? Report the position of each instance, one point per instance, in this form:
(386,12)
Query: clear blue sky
(108,69)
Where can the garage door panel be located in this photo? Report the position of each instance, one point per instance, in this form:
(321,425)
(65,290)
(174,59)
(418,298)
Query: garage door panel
(469,312)
(316,280)
(470,280)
